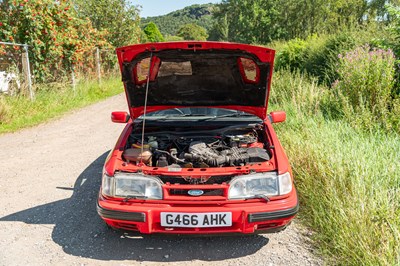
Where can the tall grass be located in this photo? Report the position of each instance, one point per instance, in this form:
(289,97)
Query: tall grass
(20,112)
(348,179)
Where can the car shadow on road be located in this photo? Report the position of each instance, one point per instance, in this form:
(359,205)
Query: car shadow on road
(80,231)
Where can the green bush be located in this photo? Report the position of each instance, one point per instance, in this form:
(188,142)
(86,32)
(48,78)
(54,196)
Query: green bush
(173,38)
(317,54)
(365,87)
(321,55)
(152,33)
(192,32)
(291,55)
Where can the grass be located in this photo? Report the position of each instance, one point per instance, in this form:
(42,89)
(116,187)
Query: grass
(348,179)
(20,112)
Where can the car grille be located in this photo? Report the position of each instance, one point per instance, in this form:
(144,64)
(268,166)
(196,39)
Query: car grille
(207,192)
(211,180)
(181,192)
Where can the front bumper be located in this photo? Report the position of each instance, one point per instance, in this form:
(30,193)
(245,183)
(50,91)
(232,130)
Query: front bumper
(248,216)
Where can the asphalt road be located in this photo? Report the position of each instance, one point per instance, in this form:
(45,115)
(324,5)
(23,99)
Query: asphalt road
(49,180)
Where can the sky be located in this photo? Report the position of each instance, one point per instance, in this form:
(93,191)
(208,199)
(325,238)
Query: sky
(152,8)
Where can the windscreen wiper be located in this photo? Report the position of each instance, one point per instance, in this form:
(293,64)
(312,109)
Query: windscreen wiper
(165,117)
(228,115)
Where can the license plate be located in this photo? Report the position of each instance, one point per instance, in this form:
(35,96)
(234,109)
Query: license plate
(211,219)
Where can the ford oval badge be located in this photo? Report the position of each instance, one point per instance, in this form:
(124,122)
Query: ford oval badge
(195,192)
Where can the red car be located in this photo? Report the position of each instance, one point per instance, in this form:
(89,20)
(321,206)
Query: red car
(198,154)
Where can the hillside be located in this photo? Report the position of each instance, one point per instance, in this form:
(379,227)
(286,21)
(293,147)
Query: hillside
(170,23)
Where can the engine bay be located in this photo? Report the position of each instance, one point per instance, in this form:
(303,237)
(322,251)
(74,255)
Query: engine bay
(192,147)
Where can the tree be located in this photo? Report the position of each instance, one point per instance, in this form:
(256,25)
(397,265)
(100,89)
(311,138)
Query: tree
(152,33)
(193,32)
(394,13)
(248,21)
(220,29)
(170,23)
(261,21)
(57,38)
(118,17)
(173,38)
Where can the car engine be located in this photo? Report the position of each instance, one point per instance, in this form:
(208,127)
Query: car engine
(233,147)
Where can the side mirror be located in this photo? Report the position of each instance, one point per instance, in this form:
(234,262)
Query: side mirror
(277,116)
(120,117)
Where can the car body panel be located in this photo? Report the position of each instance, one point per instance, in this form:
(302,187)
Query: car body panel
(241,211)
(128,58)
(249,216)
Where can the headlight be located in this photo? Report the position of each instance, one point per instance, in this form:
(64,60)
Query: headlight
(107,185)
(285,184)
(132,185)
(266,184)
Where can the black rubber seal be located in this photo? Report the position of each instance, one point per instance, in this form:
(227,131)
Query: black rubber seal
(267,216)
(120,215)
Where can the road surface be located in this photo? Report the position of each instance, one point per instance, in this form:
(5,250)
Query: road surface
(49,180)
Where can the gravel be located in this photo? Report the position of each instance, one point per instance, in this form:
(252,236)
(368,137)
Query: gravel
(49,180)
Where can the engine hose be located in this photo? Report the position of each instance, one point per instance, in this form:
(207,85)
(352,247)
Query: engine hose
(176,159)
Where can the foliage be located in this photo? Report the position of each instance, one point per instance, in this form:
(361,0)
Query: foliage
(220,29)
(394,13)
(170,24)
(321,54)
(173,38)
(317,55)
(291,55)
(152,33)
(394,29)
(261,21)
(193,32)
(118,18)
(246,21)
(50,102)
(365,87)
(347,180)
(57,38)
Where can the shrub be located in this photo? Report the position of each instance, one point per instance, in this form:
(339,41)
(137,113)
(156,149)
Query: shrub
(173,38)
(317,54)
(58,40)
(321,55)
(365,86)
(192,31)
(394,29)
(291,55)
(152,33)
